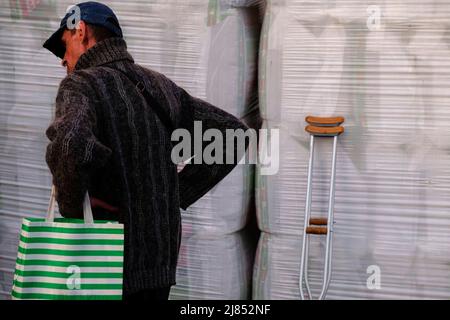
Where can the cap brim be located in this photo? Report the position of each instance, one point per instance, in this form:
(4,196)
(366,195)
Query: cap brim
(54,43)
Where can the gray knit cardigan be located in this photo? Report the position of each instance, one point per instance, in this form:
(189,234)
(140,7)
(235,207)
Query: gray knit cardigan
(107,139)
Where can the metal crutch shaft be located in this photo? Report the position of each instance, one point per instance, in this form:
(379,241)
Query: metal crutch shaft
(304,254)
(328,251)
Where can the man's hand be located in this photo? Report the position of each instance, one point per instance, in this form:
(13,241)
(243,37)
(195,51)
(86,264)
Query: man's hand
(97,203)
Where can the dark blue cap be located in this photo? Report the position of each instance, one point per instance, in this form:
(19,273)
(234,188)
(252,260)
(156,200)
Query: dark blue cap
(90,12)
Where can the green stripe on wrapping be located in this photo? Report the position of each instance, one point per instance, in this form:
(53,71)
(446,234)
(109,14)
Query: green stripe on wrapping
(106,264)
(72,241)
(73,253)
(63,286)
(70,220)
(72,230)
(83,275)
(63,297)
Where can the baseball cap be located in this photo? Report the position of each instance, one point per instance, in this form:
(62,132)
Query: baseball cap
(90,12)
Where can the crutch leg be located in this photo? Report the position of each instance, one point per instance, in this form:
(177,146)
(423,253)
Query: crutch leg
(328,250)
(305,243)
(308,288)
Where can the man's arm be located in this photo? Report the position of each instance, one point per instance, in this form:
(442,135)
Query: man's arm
(74,149)
(195,180)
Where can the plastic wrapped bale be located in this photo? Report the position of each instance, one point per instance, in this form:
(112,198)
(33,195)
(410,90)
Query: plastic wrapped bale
(207,47)
(28,83)
(388,76)
(210,49)
(214,267)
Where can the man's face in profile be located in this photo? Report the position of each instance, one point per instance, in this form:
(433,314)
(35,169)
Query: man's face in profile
(76,43)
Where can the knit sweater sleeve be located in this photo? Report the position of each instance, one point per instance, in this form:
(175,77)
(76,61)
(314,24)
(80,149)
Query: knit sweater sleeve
(73,150)
(195,180)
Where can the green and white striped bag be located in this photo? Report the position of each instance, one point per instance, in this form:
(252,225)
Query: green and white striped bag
(69,259)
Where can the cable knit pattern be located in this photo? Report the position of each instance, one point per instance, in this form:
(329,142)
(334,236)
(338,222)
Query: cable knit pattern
(107,139)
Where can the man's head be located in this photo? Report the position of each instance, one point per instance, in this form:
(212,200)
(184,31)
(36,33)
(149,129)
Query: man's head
(83,26)
(77,41)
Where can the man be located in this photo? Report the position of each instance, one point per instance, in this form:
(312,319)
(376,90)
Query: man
(112,137)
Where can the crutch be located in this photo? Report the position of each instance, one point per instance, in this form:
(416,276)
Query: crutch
(319,127)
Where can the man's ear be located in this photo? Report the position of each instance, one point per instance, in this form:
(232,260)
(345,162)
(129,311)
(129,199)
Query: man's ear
(82,31)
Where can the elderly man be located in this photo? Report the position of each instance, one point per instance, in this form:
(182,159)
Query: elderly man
(111,136)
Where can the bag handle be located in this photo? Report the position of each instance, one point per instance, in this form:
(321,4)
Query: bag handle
(87,211)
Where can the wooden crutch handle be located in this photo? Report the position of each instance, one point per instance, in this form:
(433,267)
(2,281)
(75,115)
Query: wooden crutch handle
(318,221)
(324,131)
(317,230)
(324,122)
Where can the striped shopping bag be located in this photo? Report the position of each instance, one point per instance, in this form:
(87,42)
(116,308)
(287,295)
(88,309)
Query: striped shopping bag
(69,259)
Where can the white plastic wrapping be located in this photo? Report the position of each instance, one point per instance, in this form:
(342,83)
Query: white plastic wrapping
(213,267)
(207,47)
(389,78)
(28,83)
